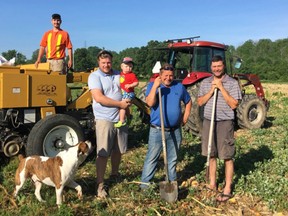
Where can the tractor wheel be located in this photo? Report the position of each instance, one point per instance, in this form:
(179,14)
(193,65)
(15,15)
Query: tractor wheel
(142,93)
(251,112)
(145,118)
(53,134)
(195,120)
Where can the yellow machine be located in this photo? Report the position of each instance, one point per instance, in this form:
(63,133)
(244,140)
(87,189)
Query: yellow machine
(37,109)
(44,111)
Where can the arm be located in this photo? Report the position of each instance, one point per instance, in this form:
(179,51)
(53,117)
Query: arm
(70,54)
(151,98)
(40,54)
(132,85)
(233,103)
(203,99)
(99,97)
(187,112)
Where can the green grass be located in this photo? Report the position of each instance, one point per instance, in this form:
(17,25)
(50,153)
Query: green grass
(260,180)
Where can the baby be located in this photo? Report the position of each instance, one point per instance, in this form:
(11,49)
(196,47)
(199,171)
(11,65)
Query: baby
(128,81)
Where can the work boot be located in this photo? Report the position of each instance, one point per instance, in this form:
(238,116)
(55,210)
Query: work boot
(101,191)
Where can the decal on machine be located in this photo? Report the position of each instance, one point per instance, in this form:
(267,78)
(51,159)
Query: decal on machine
(46,90)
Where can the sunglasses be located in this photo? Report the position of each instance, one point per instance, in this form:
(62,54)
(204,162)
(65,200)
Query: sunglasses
(169,68)
(104,54)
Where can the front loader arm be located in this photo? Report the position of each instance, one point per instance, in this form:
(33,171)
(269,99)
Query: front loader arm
(253,79)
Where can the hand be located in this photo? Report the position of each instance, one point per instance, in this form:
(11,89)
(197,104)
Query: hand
(185,118)
(184,121)
(217,83)
(36,64)
(127,86)
(125,103)
(70,64)
(157,82)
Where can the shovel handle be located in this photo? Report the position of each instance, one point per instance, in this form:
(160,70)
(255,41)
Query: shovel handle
(211,131)
(163,135)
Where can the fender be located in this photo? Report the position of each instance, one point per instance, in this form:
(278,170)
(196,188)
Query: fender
(193,77)
(153,77)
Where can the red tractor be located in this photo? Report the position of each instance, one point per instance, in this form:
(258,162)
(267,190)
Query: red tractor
(191,60)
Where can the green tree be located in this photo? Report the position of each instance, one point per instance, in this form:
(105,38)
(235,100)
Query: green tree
(19,57)
(82,60)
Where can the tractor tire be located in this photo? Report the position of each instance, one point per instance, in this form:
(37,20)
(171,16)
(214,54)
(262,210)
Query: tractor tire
(195,120)
(251,112)
(53,134)
(142,93)
(145,118)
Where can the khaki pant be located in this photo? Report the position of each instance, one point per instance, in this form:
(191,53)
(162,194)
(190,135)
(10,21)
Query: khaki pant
(109,138)
(57,65)
(223,139)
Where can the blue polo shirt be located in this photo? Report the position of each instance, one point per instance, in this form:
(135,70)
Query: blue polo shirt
(171,102)
(110,87)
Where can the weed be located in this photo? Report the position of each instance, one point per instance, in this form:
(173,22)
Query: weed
(260,180)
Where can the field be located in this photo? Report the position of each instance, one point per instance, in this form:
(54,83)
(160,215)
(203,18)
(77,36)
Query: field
(260,180)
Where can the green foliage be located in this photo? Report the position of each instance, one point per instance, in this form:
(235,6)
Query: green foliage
(85,61)
(267,59)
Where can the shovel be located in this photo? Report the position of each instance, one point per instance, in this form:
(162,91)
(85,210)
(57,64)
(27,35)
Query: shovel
(168,190)
(211,134)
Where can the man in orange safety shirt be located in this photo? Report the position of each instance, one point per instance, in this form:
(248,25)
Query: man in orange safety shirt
(55,42)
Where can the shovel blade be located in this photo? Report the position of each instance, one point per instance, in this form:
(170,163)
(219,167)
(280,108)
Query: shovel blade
(169,191)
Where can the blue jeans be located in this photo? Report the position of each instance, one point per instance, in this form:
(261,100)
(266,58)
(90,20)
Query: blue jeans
(173,141)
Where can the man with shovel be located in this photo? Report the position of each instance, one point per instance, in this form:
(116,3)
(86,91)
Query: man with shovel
(219,142)
(172,94)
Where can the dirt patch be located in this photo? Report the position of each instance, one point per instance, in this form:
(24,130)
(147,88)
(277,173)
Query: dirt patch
(270,88)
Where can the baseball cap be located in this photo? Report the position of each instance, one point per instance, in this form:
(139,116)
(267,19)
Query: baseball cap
(127,60)
(56,16)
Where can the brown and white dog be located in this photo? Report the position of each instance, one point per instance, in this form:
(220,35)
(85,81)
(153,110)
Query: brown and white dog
(53,171)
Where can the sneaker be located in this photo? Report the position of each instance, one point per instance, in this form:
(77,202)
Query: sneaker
(101,191)
(119,124)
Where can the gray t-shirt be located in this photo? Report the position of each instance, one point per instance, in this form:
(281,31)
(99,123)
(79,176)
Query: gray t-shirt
(223,110)
(110,87)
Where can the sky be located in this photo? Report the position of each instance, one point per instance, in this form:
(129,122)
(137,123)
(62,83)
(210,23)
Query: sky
(119,24)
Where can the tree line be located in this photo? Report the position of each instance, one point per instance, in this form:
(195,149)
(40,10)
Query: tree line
(267,59)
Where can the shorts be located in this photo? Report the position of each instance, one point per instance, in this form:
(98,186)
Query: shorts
(57,65)
(128,95)
(222,145)
(109,138)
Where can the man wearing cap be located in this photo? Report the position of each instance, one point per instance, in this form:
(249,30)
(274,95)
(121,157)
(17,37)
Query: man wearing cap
(128,81)
(55,41)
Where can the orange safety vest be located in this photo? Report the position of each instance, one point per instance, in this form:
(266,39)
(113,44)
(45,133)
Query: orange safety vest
(56,44)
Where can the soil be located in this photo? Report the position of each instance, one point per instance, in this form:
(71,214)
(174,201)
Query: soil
(270,88)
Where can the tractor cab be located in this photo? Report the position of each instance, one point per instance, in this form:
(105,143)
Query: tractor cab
(191,59)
